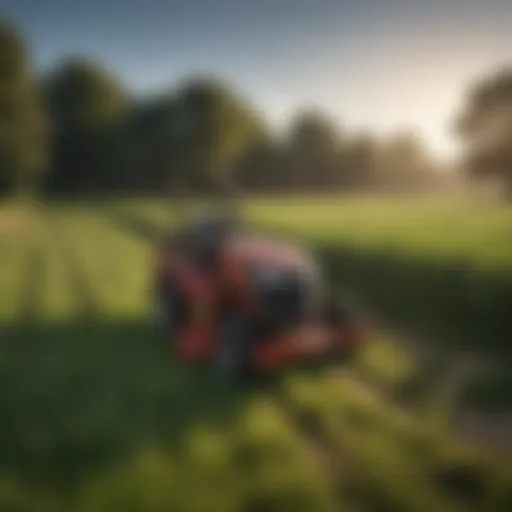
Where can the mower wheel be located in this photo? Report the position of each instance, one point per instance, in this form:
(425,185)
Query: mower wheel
(233,354)
(168,309)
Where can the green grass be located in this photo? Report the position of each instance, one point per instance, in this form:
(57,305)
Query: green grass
(95,415)
(17,259)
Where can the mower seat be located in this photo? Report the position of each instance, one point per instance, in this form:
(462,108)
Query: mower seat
(205,241)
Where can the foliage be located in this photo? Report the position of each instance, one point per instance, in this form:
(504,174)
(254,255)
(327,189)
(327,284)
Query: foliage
(313,144)
(200,135)
(214,129)
(486,127)
(23,127)
(87,109)
(147,155)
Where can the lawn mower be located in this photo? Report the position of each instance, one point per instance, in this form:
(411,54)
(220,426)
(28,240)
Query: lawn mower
(246,303)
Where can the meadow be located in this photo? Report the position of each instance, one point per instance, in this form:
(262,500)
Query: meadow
(95,415)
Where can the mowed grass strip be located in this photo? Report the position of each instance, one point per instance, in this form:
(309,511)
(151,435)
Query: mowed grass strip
(59,300)
(114,266)
(50,295)
(17,253)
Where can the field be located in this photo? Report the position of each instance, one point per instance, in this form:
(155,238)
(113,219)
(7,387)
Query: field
(96,417)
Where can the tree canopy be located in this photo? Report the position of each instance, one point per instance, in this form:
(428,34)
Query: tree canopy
(214,128)
(88,107)
(23,129)
(81,125)
(486,127)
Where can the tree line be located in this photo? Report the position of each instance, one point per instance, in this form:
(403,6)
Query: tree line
(78,130)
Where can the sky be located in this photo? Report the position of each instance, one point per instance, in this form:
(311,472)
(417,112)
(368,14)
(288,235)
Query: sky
(379,65)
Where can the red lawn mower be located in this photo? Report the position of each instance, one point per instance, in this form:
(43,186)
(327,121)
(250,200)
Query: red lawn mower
(245,303)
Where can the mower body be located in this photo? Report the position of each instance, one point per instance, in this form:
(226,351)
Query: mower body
(255,298)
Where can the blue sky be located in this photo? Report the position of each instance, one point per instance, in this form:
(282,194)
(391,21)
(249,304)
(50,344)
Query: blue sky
(380,64)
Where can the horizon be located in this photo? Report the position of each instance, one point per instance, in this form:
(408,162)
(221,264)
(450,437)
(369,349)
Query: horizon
(402,66)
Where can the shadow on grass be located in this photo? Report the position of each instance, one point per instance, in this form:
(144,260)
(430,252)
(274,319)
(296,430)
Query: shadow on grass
(78,397)
(452,303)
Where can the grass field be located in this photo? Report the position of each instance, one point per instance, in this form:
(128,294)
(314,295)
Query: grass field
(95,416)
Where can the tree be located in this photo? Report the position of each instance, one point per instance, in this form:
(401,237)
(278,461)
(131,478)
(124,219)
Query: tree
(23,127)
(486,127)
(213,129)
(360,161)
(403,163)
(149,156)
(313,146)
(263,168)
(88,109)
